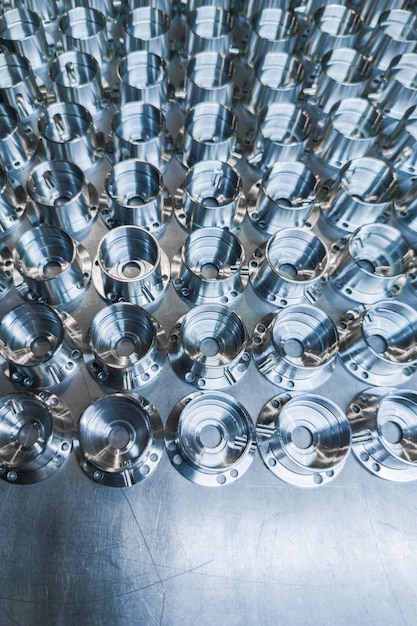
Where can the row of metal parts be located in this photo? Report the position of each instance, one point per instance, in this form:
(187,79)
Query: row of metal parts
(210,437)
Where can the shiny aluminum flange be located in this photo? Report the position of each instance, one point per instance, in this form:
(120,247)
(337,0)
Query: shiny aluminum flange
(126,347)
(146,28)
(398,147)
(296,347)
(208,347)
(210,133)
(285,197)
(17,146)
(278,77)
(273,30)
(397,91)
(378,344)
(136,195)
(12,206)
(50,266)
(371,265)
(130,265)
(209,78)
(291,266)
(210,438)
(395,33)
(35,436)
(362,193)
(352,129)
(142,76)
(22,32)
(120,440)
(19,88)
(62,197)
(210,267)
(304,439)
(209,29)
(211,196)
(283,132)
(334,26)
(384,432)
(41,347)
(67,132)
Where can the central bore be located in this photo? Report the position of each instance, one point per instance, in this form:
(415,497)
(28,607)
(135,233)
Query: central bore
(210,201)
(288,270)
(392,432)
(210,436)
(378,343)
(119,437)
(209,346)
(209,270)
(135,201)
(131,270)
(293,347)
(301,437)
(125,346)
(40,346)
(28,434)
(52,269)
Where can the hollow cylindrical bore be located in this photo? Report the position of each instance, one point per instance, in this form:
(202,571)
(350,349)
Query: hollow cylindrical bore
(12,206)
(139,132)
(18,86)
(210,28)
(142,77)
(85,29)
(334,26)
(210,133)
(22,32)
(278,78)
(16,148)
(210,78)
(273,30)
(398,91)
(399,147)
(146,28)
(395,33)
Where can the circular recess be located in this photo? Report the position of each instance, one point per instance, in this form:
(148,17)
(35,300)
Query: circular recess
(210,78)
(142,77)
(210,132)
(139,131)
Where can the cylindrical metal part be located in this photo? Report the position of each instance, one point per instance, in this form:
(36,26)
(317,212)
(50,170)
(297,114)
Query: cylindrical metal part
(22,32)
(278,78)
(146,28)
(209,29)
(12,206)
(405,213)
(84,29)
(273,30)
(17,147)
(143,77)
(334,26)
(395,33)
(397,91)
(210,78)
(399,147)
(18,86)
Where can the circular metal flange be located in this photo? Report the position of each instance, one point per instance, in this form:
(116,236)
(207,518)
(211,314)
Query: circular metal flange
(208,347)
(136,196)
(130,265)
(210,438)
(35,436)
(210,267)
(291,266)
(371,265)
(285,197)
(296,347)
(50,266)
(210,78)
(120,440)
(143,77)
(304,439)
(40,347)
(211,196)
(126,347)
(278,77)
(384,432)
(378,344)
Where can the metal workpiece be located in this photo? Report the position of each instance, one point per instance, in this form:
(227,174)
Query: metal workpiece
(209,78)
(303,439)
(12,207)
(22,32)
(211,196)
(50,266)
(17,143)
(333,26)
(378,343)
(296,347)
(371,10)
(19,88)
(126,347)
(61,197)
(67,133)
(131,266)
(142,76)
(120,440)
(40,347)
(273,30)
(208,347)
(6,269)
(362,193)
(384,432)
(343,73)
(36,432)
(283,131)
(210,134)
(405,214)
(291,267)
(372,264)
(351,131)
(146,28)
(398,147)
(250,7)
(396,91)
(394,34)
(210,268)
(285,197)
(47,10)
(209,29)
(210,438)
(76,77)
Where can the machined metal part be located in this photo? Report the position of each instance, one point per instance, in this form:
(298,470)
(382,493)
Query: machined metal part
(62,197)
(405,213)
(352,129)
(334,26)
(304,439)
(67,132)
(209,29)
(6,269)
(371,10)
(136,195)
(210,267)
(36,434)
(130,265)
(283,132)
(285,197)
(143,77)
(19,88)
(211,196)
(126,347)
(209,78)
(46,9)
(398,147)
(210,133)
(362,193)
(273,30)
(250,7)
(296,347)
(76,77)
(12,206)
(139,131)
(210,438)
(120,440)
(50,266)
(41,348)
(397,90)
(22,32)
(291,266)
(394,34)
(344,73)
(17,145)
(278,77)
(208,347)
(384,432)
(167,6)
(147,28)
(372,264)
(378,344)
